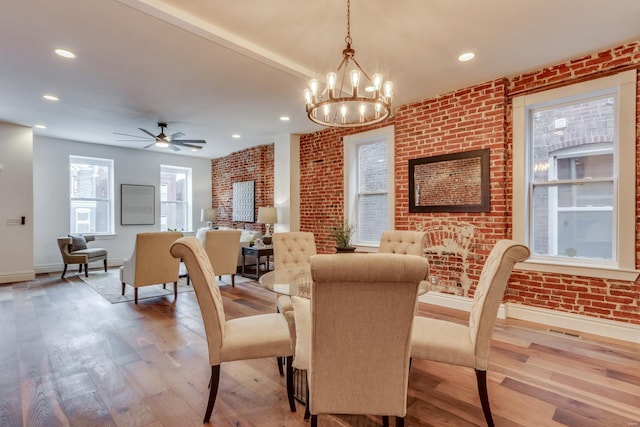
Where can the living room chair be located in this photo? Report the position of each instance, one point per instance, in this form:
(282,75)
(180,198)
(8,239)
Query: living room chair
(361,310)
(291,249)
(469,345)
(403,242)
(74,250)
(250,337)
(151,262)
(222,248)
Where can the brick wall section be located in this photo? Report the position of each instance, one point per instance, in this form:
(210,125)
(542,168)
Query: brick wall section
(469,119)
(252,164)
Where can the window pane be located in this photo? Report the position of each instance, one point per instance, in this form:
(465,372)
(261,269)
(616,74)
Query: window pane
(175,198)
(372,217)
(91,192)
(566,223)
(372,167)
(596,166)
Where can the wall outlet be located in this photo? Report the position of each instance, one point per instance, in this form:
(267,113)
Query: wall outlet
(13,221)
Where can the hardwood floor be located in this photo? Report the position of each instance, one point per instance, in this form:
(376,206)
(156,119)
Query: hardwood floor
(68,357)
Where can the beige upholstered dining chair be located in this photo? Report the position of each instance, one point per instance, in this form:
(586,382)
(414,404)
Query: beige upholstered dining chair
(74,250)
(291,249)
(222,248)
(469,345)
(357,353)
(250,337)
(403,242)
(151,262)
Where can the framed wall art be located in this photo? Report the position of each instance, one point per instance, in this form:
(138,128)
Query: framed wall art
(137,204)
(243,201)
(457,182)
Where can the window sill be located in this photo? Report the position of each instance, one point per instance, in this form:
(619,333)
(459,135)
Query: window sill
(579,270)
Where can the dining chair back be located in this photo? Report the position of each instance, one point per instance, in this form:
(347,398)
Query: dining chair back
(362,310)
(249,337)
(403,242)
(469,345)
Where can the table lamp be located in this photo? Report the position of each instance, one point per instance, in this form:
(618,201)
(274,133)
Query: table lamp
(267,216)
(209,216)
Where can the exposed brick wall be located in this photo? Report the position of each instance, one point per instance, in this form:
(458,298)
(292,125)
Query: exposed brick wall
(252,164)
(469,119)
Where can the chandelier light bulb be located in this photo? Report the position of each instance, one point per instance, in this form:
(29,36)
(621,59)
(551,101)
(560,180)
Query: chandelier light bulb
(377,81)
(388,90)
(363,110)
(331,80)
(313,85)
(377,110)
(355,80)
(307,96)
(327,110)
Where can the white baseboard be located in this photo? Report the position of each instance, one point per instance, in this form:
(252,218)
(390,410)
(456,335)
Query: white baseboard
(576,322)
(17,276)
(55,268)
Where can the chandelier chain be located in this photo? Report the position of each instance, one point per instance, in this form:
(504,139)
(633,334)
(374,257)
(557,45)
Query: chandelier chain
(348,38)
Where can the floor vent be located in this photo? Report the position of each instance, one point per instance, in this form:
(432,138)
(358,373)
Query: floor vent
(567,334)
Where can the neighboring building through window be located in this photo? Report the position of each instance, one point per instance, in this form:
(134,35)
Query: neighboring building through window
(369,184)
(573,203)
(175,198)
(91,195)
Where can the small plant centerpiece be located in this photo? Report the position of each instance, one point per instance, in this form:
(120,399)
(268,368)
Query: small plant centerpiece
(342,235)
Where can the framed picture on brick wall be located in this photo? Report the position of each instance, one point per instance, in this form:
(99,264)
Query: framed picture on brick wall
(457,182)
(243,201)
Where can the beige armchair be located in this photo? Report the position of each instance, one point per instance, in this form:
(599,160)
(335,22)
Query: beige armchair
(362,309)
(403,242)
(222,247)
(250,337)
(83,256)
(151,262)
(469,345)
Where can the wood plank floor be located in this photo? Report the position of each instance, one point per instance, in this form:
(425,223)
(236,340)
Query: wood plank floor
(70,358)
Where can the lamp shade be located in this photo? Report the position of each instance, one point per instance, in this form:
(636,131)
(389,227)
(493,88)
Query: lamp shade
(208,215)
(267,215)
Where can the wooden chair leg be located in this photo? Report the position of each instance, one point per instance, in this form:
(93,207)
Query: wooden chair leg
(64,271)
(307,413)
(233,280)
(86,270)
(175,291)
(79,268)
(213,392)
(164,286)
(385,421)
(123,285)
(399,421)
(105,265)
(314,420)
(188,280)
(135,295)
(280,362)
(481,377)
(292,402)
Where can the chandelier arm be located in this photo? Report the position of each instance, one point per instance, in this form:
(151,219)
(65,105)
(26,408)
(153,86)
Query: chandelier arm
(360,68)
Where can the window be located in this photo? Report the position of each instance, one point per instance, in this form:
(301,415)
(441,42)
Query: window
(574,175)
(175,198)
(369,184)
(91,195)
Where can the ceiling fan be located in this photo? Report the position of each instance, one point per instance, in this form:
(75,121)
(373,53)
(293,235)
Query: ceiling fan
(163,141)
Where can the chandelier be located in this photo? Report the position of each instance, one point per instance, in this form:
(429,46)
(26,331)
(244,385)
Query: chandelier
(334,107)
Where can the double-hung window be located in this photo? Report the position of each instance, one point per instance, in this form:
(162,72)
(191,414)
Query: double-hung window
(91,195)
(574,175)
(175,198)
(369,184)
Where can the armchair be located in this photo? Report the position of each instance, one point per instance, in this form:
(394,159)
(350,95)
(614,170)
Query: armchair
(80,253)
(222,247)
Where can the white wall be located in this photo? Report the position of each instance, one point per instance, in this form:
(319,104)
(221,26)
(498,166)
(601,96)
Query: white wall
(16,193)
(286,182)
(140,167)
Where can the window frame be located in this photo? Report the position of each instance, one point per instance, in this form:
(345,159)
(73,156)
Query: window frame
(76,159)
(351,187)
(188,204)
(624,174)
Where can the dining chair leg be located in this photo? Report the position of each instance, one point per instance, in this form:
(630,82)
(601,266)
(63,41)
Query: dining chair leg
(280,362)
(123,285)
(86,270)
(213,392)
(307,413)
(314,420)
(385,421)
(135,295)
(292,402)
(105,265)
(233,280)
(175,291)
(399,421)
(481,377)
(80,268)
(64,271)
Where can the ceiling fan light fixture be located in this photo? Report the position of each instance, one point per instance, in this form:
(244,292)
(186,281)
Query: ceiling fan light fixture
(162,144)
(334,107)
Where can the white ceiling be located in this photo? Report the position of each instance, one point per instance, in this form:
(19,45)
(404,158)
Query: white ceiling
(211,68)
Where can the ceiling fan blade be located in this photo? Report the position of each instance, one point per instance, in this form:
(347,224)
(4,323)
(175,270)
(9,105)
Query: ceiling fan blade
(133,140)
(174,147)
(177,135)
(150,145)
(133,136)
(193,147)
(190,141)
(148,133)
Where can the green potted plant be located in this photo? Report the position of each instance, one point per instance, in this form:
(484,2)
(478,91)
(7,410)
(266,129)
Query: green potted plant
(342,235)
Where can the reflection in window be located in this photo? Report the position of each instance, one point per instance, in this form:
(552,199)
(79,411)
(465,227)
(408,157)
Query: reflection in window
(91,195)
(175,198)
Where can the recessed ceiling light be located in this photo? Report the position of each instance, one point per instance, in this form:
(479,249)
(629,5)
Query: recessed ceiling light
(235,136)
(285,118)
(50,97)
(40,126)
(466,57)
(65,53)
